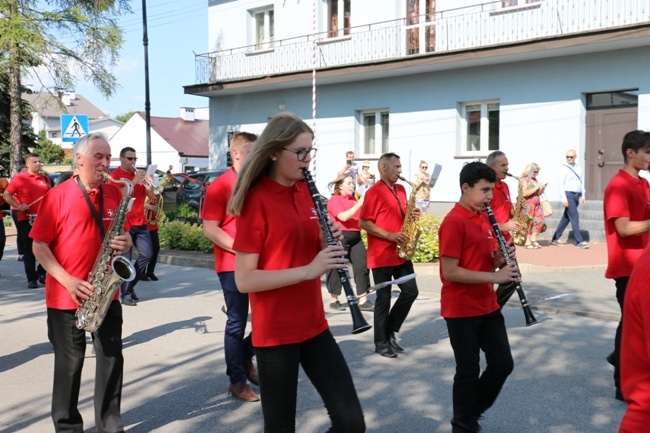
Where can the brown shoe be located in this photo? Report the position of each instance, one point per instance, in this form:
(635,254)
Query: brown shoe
(242,392)
(251,372)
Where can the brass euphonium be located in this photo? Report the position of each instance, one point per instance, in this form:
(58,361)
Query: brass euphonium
(411,227)
(154,217)
(108,272)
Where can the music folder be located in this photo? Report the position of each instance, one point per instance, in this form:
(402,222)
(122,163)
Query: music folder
(435,173)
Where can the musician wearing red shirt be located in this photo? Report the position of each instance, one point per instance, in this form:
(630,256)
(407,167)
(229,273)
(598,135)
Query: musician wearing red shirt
(344,209)
(67,240)
(468,302)
(626,208)
(25,192)
(281,254)
(136,218)
(382,217)
(220,228)
(501,202)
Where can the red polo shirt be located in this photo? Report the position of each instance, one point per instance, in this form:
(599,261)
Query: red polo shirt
(66,224)
(136,215)
(215,208)
(341,203)
(281,225)
(387,210)
(625,196)
(27,188)
(468,237)
(635,349)
(501,203)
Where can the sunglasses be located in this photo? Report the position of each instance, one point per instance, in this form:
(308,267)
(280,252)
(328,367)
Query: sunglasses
(130,158)
(570,157)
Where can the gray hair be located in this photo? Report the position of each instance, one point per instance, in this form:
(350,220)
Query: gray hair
(81,146)
(492,158)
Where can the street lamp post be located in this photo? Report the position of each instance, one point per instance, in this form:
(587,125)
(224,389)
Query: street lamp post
(147,102)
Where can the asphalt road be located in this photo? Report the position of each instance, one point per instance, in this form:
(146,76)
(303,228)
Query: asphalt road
(175,378)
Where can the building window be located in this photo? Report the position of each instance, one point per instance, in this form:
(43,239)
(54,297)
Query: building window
(510,3)
(413,19)
(480,122)
(263,25)
(374,132)
(336,9)
(621,98)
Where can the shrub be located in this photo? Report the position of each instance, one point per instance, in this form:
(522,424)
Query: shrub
(178,235)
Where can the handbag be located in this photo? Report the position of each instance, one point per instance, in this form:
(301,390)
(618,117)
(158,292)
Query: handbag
(547,208)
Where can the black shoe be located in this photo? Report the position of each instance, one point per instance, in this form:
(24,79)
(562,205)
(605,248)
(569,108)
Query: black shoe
(128,300)
(367,306)
(134,296)
(41,279)
(611,359)
(618,395)
(152,276)
(337,306)
(143,277)
(386,351)
(21,258)
(33,284)
(392,341)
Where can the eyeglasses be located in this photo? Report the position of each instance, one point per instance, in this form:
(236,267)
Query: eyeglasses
(570,157)
(302,153)
(424,167)
(130,158)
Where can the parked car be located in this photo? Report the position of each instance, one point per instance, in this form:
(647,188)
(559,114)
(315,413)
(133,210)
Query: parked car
(192,190)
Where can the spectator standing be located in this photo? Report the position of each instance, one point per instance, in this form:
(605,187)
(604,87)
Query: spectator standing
(67,240)
(344,208)
(382,217)
(421,182)
(572,190)
(532,190)
(365,178)
(281,254)
(468,302)
(627,223)
(25,192)
(220,228)
(139,231)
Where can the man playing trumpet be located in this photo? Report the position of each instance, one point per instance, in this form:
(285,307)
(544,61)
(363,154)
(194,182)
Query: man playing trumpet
(139,230)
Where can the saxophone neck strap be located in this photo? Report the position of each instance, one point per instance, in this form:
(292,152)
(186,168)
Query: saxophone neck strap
(96,215)
(394,192)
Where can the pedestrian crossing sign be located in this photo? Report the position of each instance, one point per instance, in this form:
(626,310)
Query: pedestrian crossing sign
(73,127)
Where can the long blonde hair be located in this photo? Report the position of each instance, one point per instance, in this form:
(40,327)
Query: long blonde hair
(530,169)
(282,130)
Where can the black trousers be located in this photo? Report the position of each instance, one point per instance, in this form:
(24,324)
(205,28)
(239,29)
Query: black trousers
(621,286)
(20,242)
(155,249)
(69,345)
(473,392)
(358,257)
(389,320)
(31,271)
(324,364)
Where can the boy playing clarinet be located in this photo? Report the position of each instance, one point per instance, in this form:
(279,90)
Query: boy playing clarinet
(468,258)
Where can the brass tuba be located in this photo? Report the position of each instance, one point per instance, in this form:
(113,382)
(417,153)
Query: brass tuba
(108,272)
(154,217)
(411,228)
(519,236)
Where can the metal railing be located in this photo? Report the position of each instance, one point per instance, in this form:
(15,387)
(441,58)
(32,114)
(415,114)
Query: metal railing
(483,25)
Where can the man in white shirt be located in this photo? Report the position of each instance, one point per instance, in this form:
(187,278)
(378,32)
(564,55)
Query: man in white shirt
(572,187)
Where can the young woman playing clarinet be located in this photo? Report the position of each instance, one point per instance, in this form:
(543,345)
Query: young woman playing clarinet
(281,254)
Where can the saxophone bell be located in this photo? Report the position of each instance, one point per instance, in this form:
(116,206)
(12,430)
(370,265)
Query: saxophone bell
(411,228)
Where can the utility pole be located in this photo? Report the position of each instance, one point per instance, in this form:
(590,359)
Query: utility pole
(147,102)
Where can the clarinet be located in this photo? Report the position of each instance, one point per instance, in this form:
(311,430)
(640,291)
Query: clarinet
(359,324)
(503,246)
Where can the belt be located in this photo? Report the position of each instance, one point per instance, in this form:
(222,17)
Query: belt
(573,192)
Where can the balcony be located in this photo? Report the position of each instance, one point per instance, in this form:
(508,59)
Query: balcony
(449,31)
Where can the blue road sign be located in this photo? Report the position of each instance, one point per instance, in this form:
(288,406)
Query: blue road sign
(73,127)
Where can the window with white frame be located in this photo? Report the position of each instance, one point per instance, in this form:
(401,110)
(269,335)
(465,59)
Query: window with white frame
(480,126)
(263,28)
(374,132)
(335,10)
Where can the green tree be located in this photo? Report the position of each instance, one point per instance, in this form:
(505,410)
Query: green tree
(65,40)
(125,117)
(49,152)
(27,138)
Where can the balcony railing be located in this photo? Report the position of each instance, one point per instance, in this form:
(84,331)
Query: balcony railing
(488,24)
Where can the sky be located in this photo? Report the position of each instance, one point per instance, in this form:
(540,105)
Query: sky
(176,30)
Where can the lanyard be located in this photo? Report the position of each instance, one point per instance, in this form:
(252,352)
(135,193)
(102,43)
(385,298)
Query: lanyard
(96,215)
(399,204)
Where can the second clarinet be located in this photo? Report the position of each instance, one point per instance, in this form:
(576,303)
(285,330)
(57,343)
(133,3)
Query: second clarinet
(359,324)
(503,247)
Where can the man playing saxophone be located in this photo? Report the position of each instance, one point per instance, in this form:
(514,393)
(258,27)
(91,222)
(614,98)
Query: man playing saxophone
(382,216)
(78,213)
(501,202)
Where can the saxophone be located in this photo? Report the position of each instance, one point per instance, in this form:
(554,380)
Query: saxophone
(108,272)
(519,236)
(411,228)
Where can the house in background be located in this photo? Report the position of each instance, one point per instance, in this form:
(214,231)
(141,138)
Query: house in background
(181,142)
(49,106)
(446,81)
